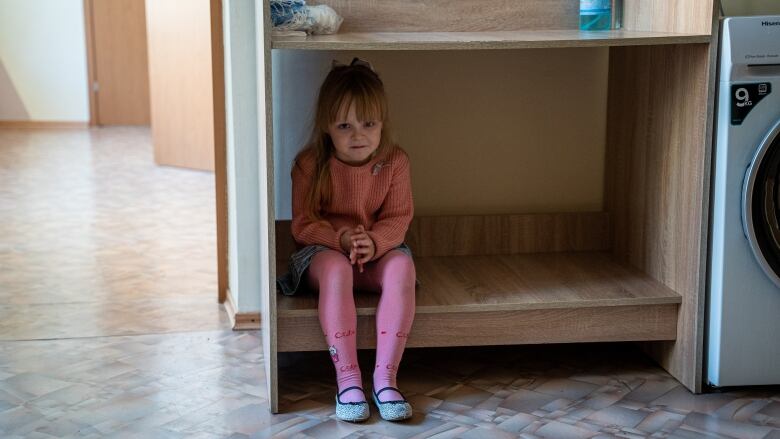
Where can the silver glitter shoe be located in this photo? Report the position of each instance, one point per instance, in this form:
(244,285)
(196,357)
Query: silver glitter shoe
(351,411)
(392,410)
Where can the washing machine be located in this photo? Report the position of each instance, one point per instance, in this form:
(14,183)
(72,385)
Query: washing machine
(743,322)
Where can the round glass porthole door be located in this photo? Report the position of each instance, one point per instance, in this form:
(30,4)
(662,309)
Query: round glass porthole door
(761,204)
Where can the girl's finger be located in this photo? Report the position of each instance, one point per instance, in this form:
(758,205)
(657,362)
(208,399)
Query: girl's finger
(362,243)
(360,251)
(360,267)
(364,255)
(357,236)
(352,256)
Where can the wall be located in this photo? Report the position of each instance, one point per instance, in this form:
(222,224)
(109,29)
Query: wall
(750,7)
(242,154)
(487,132)
(43,61)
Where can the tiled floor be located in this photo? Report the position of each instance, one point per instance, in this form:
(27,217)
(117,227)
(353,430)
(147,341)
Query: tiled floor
(109,327)
(565,391)
(94,236)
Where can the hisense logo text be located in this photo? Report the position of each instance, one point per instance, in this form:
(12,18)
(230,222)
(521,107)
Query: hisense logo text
(770,23)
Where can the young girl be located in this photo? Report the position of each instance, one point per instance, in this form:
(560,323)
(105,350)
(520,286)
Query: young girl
(352,205)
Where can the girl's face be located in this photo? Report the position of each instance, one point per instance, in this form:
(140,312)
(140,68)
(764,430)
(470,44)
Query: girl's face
(355,141)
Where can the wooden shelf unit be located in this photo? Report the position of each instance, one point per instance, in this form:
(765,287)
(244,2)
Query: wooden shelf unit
(566,287)
(544,39)
(632,272)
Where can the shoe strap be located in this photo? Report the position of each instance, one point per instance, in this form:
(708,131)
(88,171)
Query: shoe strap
(338,396)
(376,394)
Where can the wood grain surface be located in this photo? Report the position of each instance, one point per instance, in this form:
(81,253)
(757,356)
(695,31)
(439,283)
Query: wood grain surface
(657,180)
(454,15)
(563,325)
(452,235)
(683,16)
(521,39)
(512,282)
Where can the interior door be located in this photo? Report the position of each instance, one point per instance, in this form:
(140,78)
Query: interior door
(120,64)
(180,79)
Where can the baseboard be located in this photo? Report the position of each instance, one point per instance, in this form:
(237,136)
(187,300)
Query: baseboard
(42,124)
(247,320)
(240,321)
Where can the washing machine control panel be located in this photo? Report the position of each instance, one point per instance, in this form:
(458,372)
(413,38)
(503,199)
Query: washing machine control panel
(752,40)
(744,97)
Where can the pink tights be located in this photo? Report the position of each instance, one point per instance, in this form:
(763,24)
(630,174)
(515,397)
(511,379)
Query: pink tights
(393,274)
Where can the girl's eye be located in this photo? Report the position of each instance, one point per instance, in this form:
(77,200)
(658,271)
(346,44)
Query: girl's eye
(342,126)
(370,124)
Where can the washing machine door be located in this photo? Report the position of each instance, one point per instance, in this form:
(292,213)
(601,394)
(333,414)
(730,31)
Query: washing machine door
(761,204)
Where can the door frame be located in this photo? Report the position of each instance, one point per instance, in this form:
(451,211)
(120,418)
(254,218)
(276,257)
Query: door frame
(220,132)
(89,32)
(220,146)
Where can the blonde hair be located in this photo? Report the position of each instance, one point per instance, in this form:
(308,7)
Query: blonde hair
(357,85)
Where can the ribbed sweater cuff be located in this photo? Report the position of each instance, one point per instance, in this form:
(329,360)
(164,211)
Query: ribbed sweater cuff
(340,232)
(382,247)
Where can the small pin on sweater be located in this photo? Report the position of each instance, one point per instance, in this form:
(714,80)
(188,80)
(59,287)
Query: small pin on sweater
(377,167)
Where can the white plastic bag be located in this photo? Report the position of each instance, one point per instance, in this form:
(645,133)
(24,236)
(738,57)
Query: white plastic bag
(323,20)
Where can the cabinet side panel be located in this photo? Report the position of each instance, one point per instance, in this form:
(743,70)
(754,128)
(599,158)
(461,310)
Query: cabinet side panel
(454,15)
(267,208)
(657,180)
(684,16)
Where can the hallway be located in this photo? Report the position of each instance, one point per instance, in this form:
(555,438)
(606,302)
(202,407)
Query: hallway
(110,327)
(94,236)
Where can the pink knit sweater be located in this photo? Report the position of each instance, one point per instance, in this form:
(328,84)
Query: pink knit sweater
(377,195)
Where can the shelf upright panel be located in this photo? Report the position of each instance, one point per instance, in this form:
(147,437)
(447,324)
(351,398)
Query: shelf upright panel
(267,208)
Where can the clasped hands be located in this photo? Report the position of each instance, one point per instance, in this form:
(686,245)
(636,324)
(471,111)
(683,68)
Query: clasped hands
(359,245)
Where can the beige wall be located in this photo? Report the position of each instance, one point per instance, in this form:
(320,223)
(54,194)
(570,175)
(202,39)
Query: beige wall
(750,7)
(487,131)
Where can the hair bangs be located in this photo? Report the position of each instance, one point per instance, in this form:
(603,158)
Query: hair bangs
(368,101)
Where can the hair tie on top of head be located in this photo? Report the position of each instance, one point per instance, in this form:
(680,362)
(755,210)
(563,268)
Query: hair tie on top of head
(355,62)
(362,62)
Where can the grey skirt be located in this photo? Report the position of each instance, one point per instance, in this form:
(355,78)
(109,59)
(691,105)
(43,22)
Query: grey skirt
(289,283)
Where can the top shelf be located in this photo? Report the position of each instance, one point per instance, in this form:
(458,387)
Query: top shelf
(531,39)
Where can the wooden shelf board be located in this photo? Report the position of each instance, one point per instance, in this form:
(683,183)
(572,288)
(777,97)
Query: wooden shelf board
(534,326)
(529,39)
(497,283)
(508,299)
